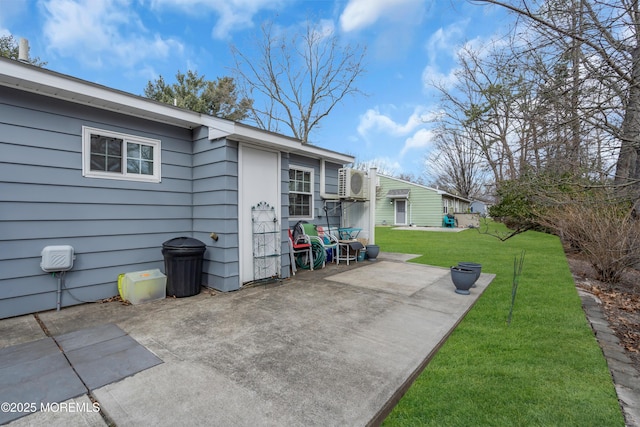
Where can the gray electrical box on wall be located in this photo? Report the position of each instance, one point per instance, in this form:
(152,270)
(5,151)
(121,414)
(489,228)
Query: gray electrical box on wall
(57,258)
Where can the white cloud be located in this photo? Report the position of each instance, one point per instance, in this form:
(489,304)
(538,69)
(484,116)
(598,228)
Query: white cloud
(233,15)
(326,28)
(374,122)
(413,133)
(431,75)
(359,14)
(423,138)
(99,33)
(446,40)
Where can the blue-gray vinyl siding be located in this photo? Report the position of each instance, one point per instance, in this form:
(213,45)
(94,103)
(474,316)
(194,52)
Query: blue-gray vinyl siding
(331,187)
(285,261)
(215,209)
(114,226)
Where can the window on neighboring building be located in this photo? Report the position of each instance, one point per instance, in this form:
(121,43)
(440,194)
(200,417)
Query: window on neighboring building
(115,155)
(447,205)
(300,192)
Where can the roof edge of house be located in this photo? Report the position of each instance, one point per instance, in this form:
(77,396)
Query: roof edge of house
(441,192)
(38,80)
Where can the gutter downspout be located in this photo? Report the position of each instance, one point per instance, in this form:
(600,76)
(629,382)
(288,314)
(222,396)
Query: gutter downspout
(373,180)
(410,212)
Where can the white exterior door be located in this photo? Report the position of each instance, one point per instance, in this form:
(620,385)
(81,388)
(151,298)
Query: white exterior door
(401,212)
(258,181)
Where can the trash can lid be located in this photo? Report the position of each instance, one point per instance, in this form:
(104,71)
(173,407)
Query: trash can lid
(184,242)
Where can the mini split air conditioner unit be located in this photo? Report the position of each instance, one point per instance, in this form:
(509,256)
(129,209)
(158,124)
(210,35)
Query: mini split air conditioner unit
(352,184)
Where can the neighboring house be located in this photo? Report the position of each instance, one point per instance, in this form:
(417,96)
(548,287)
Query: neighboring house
(115,175)
(400,202)
(480,207)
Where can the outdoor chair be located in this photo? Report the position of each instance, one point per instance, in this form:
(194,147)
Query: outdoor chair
(312,231)
(329,241)
(449,221)
(300,245)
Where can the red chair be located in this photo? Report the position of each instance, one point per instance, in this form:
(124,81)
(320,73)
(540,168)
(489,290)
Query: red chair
(302,245)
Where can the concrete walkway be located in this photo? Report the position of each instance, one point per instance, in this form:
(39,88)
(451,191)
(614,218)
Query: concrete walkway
(328,347)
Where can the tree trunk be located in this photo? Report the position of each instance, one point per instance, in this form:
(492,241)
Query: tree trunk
(627,168)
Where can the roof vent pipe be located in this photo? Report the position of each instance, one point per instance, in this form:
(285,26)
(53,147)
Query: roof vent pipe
(23,50)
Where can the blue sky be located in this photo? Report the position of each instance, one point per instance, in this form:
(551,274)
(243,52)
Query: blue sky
(125,43)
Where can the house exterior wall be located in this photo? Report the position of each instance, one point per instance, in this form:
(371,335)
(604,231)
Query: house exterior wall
(455,205)
(215,208)
(334,208)
(424,207)
(114,226)
(331,187)
(479,207)
(118,226)
(285,261)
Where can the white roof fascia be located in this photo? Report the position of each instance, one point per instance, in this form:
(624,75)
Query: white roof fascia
(41,81)
(242,133)
(49,83)
(440,192)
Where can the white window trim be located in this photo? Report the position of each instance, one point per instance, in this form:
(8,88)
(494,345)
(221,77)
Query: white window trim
(124,176)
(312,184)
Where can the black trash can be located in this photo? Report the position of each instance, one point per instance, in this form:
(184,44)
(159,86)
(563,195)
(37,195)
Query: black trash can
(183,266)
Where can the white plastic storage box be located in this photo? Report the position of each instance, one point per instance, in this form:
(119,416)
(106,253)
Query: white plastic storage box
(142,286)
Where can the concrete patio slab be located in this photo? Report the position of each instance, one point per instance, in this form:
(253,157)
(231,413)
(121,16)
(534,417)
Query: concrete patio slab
(88,336)
(51,370)
(104,354)
(81,414)
(17,330)
(319,349)
(393,256)
(403,279)
(34,373)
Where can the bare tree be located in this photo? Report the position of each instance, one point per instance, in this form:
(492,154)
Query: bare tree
(298,79)
(530,113)
(482,106)
(383,167)
(409,177)
(604,35)
(456,164)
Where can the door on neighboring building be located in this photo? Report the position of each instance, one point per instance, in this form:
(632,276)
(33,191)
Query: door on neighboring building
(401,212)
(258,181)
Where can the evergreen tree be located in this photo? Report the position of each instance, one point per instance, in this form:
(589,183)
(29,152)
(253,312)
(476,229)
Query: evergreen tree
(217,98)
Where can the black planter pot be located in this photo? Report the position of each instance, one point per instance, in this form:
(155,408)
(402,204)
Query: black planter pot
(477,268)
(463,279)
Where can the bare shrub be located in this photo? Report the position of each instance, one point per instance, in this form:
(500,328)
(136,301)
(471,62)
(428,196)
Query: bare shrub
(606,233)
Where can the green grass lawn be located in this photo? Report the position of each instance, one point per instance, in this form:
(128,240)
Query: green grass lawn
(544,369)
